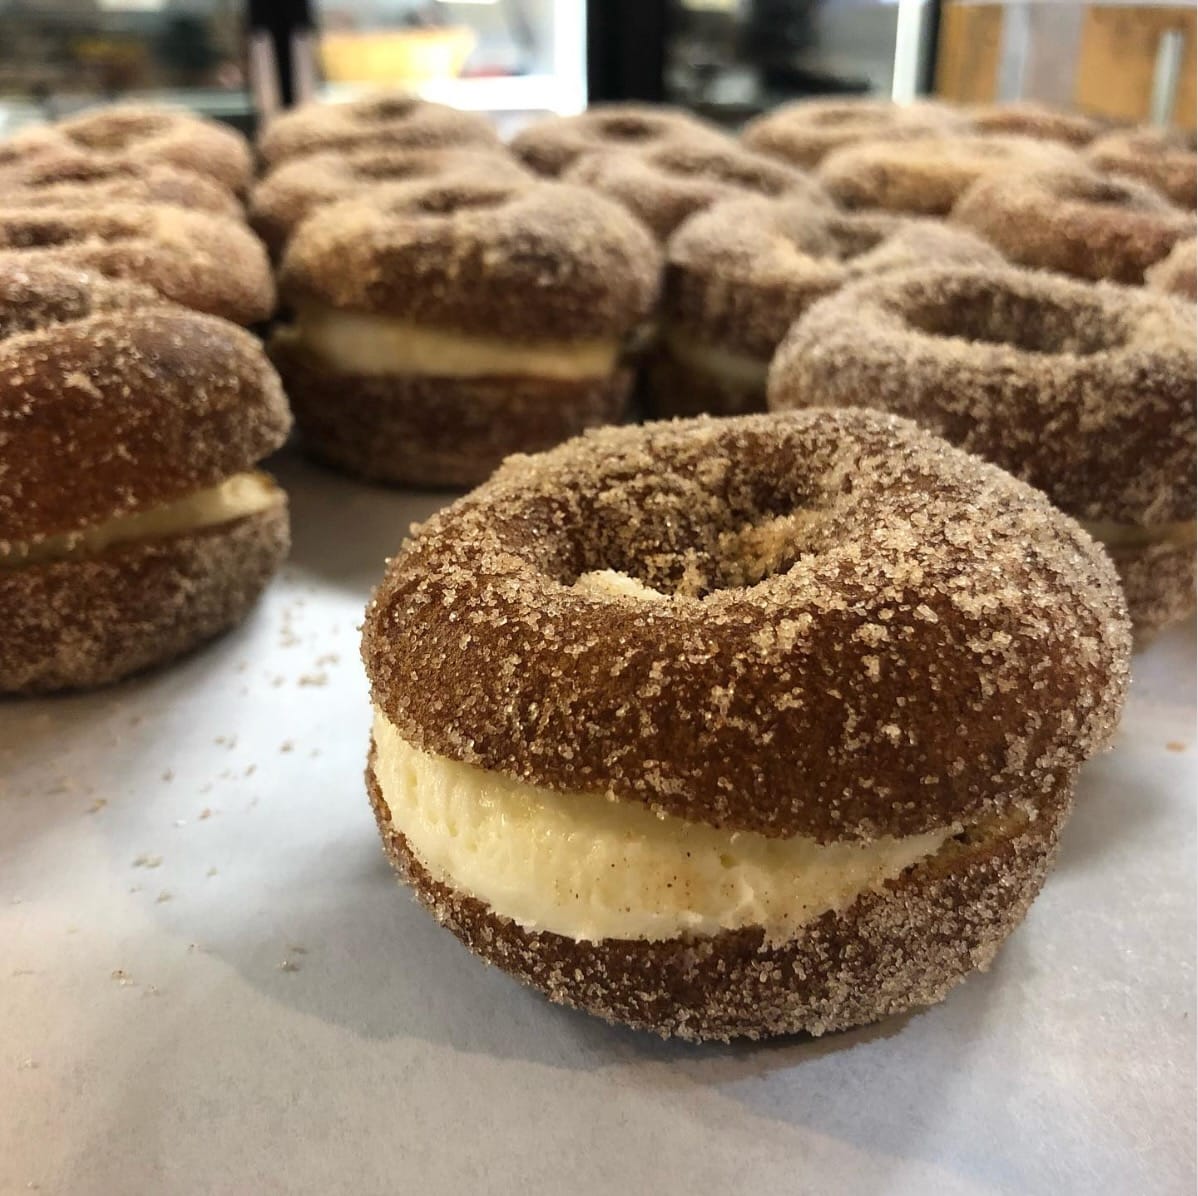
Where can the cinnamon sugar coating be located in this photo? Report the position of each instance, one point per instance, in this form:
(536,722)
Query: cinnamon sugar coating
(148,133)
(1176,274)
(392,120)
(926,177)
(665,185)
(526,260)
(83,623)
(74,177)
(289,193)
(892,950)
(1086,391)
(1044,122)
(205,262)
(411,430)
(1159,582)
(806,131)
(112,401)
(864,630)
(741,273)
(1076,222)
(552,145)
(1163,158)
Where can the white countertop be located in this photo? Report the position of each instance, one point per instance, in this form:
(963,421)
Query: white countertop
(210,983)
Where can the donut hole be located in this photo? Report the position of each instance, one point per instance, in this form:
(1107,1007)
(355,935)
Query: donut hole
(1028,323)
(117,130)
(732,170)
(628,129)
(388,108)
(39,234)
(450,200)
(850,241)
(1105,192)
(391,171)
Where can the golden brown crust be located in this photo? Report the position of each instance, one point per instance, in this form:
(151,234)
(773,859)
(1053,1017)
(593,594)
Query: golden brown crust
(205,262)
(112,401)
(1165,159)
(1158,581)
(391,120)
(741,273)
(83,623)
(664,186)
(145,133)
(1178,273)
(839,581)
(73,177)
(436,432)
(893,950)
(674,389)
(806,131)
(926,177)
(526,260)
(1075,222)
(1041,121)
(1086,391)
(296,188)
(552,145)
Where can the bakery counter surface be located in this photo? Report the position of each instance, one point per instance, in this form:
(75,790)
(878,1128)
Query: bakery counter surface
(210,982)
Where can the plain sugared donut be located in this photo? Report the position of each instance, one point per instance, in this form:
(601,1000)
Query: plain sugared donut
(389,120)
(1041,121)
(1163,158)
(287,195)
(926,177)
(806,131)
(738,275)
(440,327)
(73,178)
(664,186)
(1176,274)
(205,262)
(132,523)
(1075,221)
(739,727)
(1085,390)
(553,145)
(145,133)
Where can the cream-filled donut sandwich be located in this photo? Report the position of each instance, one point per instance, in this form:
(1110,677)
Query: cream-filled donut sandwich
(740,727)
(1085,390)
(134,524)
(203,261)
(738,275)
(439,327)
(385,120)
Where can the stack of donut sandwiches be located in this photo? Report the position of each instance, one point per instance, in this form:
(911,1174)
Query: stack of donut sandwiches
(763,716)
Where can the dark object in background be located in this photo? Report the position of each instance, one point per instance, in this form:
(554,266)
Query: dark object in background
(626,50)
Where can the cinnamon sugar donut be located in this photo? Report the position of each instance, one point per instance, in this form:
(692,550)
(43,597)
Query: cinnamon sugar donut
(288,194)
(739,727)
(804,132)
(1074,221)
(132,524)
(1085,390)
(552,146)
(204,262)
(1175,275)
(664,186)
(74,178)
(391,120)
(926,177)
(146,133)
(439,328)
(738,275)
(1026,118)
(1163,158)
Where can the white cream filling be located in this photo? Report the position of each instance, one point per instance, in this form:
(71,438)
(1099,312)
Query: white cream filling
(366,343)
(241,495)
(725,366)
(1134,535)
(590,868)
